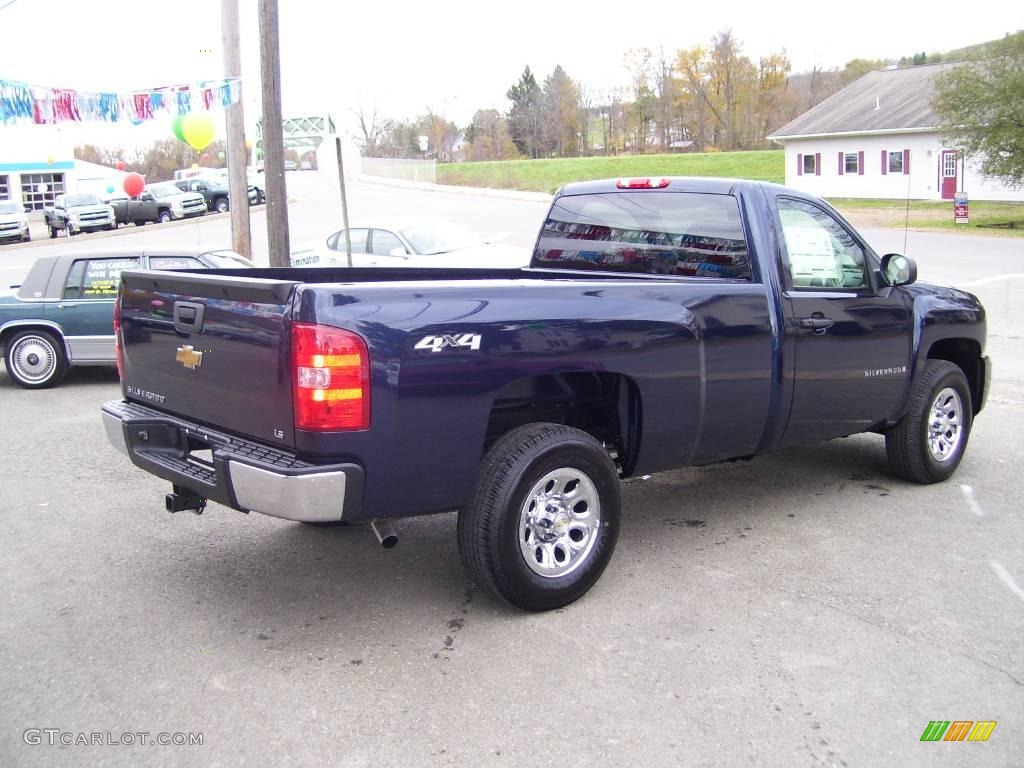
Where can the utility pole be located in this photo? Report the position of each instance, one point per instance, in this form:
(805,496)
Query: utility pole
(238,182)
(344,200)
(273,136)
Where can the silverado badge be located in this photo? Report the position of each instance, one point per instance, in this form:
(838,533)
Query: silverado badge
(189,357)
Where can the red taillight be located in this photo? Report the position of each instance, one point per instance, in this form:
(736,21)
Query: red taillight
(331,384)
(118,346)
(642,183)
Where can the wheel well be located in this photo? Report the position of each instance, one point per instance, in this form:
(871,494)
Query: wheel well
(6,333)
(606,405)
(965,354)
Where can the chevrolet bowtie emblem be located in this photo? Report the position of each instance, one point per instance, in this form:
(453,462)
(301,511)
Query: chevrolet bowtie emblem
(189,357)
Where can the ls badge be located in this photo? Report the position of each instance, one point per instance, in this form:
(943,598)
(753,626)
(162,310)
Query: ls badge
(188,357)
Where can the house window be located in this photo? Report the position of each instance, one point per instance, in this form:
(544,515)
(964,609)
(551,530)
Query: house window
(896,162)
(851,162)
(5,190)
(809,165)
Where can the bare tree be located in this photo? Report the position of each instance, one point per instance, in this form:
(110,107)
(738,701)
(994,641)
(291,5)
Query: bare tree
(374,128)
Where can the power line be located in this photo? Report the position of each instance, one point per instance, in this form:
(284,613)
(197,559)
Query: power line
(8,4)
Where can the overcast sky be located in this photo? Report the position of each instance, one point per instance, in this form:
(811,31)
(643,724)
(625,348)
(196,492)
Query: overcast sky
(454,56)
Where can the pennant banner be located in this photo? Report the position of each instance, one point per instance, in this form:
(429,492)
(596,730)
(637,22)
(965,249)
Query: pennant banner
(24,103)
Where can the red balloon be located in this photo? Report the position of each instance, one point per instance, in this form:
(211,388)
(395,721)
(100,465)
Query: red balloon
(206,157)
(120,165)
(134,183)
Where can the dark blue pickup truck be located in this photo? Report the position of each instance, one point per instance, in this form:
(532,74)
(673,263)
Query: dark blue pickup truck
(662,323)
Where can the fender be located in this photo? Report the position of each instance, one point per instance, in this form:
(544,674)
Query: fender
(14,324)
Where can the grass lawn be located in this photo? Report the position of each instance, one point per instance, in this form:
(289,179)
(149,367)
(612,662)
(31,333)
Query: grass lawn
(549,175)
(931,214)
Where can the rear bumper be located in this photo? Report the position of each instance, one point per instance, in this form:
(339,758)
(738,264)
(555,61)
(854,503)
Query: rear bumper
(243,474)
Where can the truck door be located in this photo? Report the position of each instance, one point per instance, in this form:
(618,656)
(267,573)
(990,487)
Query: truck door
(849,336)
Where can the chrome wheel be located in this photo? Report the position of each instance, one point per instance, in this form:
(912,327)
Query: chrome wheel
(33,359)
(559,522)
(945,421)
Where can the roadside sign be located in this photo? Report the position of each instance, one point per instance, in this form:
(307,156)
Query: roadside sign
(424,143)
(960,209)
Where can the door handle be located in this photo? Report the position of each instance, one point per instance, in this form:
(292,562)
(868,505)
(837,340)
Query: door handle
(818,323)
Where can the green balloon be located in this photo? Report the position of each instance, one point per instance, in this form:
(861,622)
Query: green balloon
(220,155)
(176,127)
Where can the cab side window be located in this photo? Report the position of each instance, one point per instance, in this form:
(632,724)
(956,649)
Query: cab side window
(358,238)
(174,262)
(96,278)
(385,242)
(822,252)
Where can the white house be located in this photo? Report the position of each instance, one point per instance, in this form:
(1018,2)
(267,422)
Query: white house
(878,138)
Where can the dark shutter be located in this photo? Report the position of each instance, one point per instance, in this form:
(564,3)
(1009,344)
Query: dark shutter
(841,164)
(885,162)
(817,163)
(906,161)
(799,165)
(860,163)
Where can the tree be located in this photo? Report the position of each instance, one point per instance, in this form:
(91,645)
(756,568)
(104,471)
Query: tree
(665,93)
(374,129)
(981,109)
(559,115)
(441,134)
(524,118)
(487,137)
(641,112)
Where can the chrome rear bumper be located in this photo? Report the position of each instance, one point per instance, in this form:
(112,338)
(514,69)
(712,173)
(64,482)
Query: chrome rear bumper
(243,474)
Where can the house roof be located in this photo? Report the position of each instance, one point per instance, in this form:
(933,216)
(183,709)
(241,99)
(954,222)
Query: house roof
(903,98)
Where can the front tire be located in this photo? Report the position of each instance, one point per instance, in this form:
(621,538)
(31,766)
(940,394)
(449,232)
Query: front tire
(544,519)
(929,442)
(53,232)
(35,359)
(165,216)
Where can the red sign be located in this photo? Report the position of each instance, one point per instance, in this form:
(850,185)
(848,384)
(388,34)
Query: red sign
(960,215)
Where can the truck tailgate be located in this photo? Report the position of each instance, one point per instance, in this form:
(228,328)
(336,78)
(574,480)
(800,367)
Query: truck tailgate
(213,348)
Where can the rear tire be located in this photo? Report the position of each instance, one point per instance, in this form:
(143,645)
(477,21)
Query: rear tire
(544,519)
(221,205)
(35,359)
(929,442)
(53,233)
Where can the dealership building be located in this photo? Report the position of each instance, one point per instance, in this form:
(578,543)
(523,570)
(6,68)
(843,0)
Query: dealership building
(37,163)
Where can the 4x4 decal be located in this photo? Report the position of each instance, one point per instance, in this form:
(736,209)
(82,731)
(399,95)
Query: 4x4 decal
(455,340)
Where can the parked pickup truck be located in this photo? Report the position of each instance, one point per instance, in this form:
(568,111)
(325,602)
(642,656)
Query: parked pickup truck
(175,203)
(62,314)
(76,213)
(215,192)
(140,210)
(661,323)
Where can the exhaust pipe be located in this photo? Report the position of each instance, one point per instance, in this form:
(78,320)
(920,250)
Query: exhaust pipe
(385,533)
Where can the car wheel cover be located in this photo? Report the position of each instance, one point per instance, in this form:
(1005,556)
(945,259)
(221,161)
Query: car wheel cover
(559,522)
(33,359)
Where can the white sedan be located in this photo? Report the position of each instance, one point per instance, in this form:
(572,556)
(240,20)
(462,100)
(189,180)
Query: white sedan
(413,242)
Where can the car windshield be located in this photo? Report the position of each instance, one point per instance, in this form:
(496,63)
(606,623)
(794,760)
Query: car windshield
(10,208)
(429,238)
(72,201)
(163,189)
(227,260)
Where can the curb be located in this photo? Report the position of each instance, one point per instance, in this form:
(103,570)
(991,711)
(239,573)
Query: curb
(508,194)
(40,240)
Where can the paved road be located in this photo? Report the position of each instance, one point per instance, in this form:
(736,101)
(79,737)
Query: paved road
(803,609)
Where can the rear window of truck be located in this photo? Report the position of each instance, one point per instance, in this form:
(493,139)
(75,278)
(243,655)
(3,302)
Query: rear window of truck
(655,233)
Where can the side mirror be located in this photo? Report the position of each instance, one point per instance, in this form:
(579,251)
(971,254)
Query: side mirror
(898,269)
(146,197)
(399,252)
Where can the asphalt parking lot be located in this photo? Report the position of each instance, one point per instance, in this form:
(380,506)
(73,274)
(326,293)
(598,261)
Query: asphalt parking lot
(802,609)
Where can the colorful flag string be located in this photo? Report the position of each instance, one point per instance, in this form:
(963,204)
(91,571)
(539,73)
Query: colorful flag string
(44,105)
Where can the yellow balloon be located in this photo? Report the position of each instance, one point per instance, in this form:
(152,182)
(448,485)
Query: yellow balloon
(50,159)
(198,129)
(248,144)
(195,166)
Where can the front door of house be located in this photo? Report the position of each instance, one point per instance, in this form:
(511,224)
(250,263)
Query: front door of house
(948,173)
